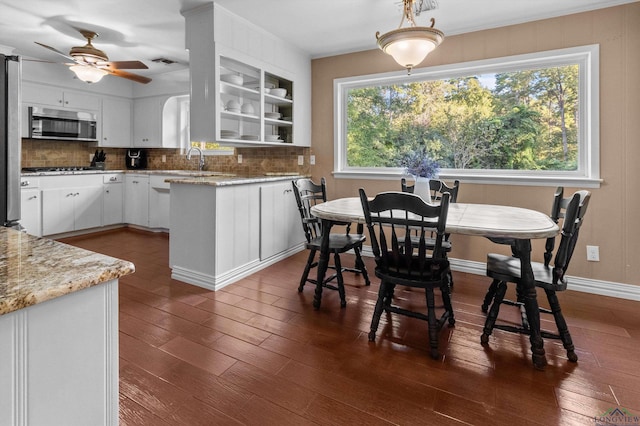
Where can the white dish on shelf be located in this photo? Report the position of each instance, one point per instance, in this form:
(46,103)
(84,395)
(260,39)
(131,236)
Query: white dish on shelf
(286,118)
(249,137)
(232,78)
(272,115)
(280,93)
(229,134)
(272,138)
(247,108)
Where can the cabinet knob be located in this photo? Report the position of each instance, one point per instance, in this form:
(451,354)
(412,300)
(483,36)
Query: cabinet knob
(107,191)
(135,181)
(25,183)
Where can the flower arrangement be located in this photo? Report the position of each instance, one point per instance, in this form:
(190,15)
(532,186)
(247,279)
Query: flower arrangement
(418,163)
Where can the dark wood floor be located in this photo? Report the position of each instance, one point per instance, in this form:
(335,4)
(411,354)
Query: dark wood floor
(256,352)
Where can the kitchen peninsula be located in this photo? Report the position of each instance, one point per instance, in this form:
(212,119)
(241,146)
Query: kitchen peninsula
(225,228)
(59,332)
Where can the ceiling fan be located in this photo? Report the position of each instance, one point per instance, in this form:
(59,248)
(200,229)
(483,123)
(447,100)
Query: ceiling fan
(91,64)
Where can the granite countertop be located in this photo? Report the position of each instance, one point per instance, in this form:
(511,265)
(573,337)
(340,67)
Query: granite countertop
(237,180)
(33,270)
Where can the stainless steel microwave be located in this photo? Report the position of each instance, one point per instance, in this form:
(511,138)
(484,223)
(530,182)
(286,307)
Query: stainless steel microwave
(49,123)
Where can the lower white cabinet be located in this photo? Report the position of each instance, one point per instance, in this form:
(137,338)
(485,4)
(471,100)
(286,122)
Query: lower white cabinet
(60,360)
(220,234)
(31,207)
(113,199)
(280,225)
(71,208)
(136,200)
(159,201)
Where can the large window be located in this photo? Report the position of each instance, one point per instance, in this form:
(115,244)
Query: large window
(529,119)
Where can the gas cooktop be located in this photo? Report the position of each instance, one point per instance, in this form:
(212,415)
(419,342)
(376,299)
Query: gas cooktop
(58,169)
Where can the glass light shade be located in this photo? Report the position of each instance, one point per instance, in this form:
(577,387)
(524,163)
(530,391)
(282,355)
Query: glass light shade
(409,46)
(87,73)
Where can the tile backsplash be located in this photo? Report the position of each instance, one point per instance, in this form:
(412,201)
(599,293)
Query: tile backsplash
(255,161)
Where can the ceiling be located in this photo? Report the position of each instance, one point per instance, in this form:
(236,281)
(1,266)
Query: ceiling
(148,29)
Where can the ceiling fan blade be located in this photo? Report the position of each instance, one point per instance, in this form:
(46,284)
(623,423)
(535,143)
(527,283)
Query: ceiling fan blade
(53,49)
(130,76)
(125,65)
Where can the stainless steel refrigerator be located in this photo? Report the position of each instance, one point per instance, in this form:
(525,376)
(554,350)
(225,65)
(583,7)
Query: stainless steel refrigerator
(10,143)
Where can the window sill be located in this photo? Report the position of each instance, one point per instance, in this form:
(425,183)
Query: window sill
(489,179)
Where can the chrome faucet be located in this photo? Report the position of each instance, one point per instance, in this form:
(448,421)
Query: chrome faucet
(201,162)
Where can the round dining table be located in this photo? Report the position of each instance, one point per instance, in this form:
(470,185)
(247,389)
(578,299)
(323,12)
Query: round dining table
(500,223)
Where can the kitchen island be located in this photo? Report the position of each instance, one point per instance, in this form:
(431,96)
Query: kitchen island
(224,228)
(59,332)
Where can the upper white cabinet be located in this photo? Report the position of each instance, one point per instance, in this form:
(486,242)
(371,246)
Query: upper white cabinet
(60,98)
(116,122)
(147,122)
(261,84)
(160,122)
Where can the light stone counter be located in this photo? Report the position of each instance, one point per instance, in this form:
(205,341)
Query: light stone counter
(33,270)
(234,180)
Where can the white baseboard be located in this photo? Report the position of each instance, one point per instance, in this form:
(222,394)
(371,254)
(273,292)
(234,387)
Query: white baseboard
(585,285)
(222,280)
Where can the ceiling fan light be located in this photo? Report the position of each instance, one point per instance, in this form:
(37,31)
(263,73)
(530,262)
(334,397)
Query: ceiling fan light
(87,73)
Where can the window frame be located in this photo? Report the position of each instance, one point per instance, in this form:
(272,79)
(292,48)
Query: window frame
(588,172)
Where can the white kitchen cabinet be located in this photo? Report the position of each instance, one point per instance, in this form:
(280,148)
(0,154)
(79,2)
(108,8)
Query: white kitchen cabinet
(214,233)
(60,360)
(116,122)
(160,201)
(113,199)
(56,97)
(280,226)
(71,209)
(31,207)
(147,125)
(136,200)
(263,62)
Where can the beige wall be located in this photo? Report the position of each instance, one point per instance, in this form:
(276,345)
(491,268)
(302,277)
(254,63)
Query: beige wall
(613,219)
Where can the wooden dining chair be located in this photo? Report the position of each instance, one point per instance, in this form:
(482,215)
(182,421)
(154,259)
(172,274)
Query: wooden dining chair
(505,269)
(307,195)
(403,261)
(438,187)
(558,208)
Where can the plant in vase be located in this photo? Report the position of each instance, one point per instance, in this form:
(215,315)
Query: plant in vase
(422,167)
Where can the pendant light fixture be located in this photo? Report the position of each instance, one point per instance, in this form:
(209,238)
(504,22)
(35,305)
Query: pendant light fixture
(410,45)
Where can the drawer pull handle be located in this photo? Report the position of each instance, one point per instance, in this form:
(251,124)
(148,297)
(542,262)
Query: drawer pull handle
(25,183)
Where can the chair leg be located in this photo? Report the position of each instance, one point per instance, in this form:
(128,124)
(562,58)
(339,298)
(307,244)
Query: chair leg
(343,299)
(360,266)
(307,268)
(489,296)
(563,330)
(450,278)
(501,290)
(377,311)
(446,300)
(433,323)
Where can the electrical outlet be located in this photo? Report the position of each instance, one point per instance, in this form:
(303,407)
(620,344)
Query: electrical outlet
(593,253)
(164,158)
(312,160)
(239,158)
(300,160)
